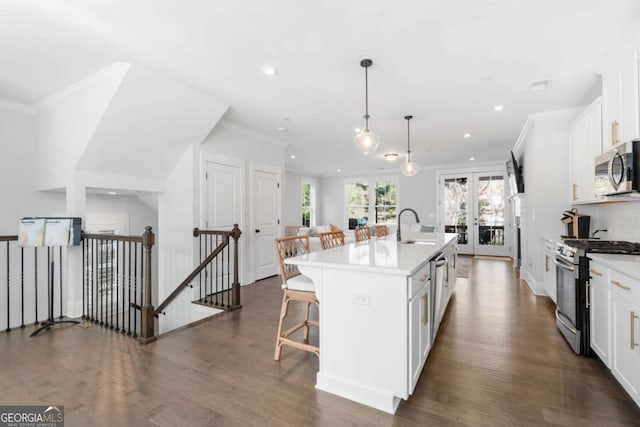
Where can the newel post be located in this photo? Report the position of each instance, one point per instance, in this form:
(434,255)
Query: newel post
(147,327)
(235,287)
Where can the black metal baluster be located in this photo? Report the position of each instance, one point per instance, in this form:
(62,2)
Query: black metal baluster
(35,279)
(200,275)
(84,283)
(228,275)
(124,299)
(208,270)
(94,287)
(110,293)
(8,289)
(22,286)
(60,262)
(101,273)
(117,285)
(135,287)
(49,288)
(141,283)
(215,267)
(129,302)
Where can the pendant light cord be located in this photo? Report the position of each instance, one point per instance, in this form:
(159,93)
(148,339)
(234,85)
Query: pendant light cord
(366,98)
(408,141)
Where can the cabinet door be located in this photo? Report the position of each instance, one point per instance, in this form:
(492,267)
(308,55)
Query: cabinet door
(549,271)
(611,94)
(626,350)
(628,128)
(599,300)
(419,335)
(574,163)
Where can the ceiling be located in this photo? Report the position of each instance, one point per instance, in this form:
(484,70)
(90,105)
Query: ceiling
(446,62)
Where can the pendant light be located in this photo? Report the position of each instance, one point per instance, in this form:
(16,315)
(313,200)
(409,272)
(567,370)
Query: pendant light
(366,142)
(409,168)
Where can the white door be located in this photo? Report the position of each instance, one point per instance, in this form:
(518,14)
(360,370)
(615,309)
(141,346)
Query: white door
(266,222)
(473,206)
(223,196)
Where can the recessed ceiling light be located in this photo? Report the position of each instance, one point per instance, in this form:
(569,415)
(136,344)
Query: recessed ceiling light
(498,108)
(472,158)
(538,85)
(391,156)
(281,129)
(111,193)
(356,130)
(486,79)
(467,135)
(269,70)
(293,156)
(339,170)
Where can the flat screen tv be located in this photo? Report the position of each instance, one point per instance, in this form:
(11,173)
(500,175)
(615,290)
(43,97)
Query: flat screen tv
(516,183)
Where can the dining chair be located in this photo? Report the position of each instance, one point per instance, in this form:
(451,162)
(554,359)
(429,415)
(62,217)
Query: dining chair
(362,233)
(331,239)
(297,287)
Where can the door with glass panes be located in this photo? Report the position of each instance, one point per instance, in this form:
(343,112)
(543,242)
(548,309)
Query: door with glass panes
(472,205)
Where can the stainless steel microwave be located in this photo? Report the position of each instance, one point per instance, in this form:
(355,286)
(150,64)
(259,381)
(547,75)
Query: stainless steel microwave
(618,170)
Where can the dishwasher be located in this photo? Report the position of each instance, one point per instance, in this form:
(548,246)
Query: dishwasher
(438,271)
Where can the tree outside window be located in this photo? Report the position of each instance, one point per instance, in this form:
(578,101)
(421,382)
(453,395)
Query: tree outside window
(306,204)
(364,198)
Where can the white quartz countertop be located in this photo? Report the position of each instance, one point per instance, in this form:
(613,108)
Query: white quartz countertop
(626,264)
(381,255)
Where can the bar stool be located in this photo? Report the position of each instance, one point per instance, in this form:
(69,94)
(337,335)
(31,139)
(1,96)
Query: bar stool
(381,230)
(362,233)
(331,239)
(297,287)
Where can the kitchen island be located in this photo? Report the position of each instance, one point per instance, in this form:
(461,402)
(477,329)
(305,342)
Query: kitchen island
(381,302)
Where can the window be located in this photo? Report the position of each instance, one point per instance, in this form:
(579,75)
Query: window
(308,204)
(379,197)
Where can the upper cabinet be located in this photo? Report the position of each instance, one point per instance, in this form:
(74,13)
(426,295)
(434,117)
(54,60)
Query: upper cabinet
(585,143)
(620,92)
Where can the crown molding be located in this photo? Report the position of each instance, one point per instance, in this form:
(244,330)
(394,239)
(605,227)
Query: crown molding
(224,124)
(82,84)
(5,104)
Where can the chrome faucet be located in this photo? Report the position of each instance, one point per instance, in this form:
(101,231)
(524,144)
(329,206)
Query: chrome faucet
(398,236)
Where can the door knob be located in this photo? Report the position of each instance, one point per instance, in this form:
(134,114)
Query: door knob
(257,230)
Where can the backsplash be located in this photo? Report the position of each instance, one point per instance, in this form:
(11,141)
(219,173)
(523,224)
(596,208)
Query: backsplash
(621,219)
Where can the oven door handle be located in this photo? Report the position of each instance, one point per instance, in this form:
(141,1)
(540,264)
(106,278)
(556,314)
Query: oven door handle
(564,266)
(569,327)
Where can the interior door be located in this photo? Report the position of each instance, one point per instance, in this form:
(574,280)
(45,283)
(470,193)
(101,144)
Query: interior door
(266,221)
(489,215)
(223,195)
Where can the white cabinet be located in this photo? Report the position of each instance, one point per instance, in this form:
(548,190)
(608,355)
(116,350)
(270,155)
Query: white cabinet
(625,328)
(620,92)
(585,143)
(549,269)
(599,303)
(419,334)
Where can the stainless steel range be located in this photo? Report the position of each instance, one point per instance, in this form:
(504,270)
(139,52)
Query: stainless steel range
(572,273)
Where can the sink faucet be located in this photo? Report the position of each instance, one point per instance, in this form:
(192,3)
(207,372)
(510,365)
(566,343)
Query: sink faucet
(593,236)
(399,238)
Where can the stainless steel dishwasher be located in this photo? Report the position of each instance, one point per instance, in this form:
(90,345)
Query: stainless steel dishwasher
(438,272)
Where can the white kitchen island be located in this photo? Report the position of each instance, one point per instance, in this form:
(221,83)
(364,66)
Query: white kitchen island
(380,305)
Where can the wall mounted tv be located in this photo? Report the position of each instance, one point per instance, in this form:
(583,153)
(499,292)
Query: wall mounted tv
(516,182)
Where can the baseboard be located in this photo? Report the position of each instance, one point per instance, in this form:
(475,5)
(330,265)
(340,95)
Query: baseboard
(532,283)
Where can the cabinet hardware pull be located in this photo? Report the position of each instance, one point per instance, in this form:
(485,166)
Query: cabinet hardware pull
(575,197)
(425,315)
(424,278)
(614,132)
(546,263)
(633,332)
(620,285)
(596,272)
(586,287)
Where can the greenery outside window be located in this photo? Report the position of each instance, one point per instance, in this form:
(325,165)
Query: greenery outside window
(308,196)
(371,202)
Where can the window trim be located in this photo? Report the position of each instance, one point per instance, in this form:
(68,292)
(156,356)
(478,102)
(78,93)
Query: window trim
(371,182)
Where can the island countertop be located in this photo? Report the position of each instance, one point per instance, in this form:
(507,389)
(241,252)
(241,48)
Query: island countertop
(385,255)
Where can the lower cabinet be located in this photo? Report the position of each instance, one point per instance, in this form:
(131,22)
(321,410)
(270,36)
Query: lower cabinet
(625,322)
(419,333)
(599,303)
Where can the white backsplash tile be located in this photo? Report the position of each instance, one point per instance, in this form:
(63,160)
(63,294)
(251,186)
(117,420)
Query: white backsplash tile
(621,219)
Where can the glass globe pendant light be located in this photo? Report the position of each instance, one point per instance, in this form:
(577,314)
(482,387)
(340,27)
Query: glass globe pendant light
(366,142)
(409,168)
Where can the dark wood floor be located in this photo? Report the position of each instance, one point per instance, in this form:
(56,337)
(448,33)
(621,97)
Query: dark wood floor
(498,360)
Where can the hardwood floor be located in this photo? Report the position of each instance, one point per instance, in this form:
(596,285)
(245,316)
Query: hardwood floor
(498,360)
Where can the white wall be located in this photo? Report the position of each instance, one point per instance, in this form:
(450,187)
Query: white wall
(19,172)
(331,202)
(138,214)
(420,193)
(543,153)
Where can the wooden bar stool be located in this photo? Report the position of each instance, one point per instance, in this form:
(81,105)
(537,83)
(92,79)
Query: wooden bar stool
(362,233)
(381,230)
(297,287)
(331,239)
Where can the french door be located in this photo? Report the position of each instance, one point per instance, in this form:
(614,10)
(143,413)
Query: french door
(472,205)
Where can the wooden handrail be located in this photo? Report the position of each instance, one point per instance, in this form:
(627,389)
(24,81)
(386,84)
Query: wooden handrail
(8,238)
(114,237)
